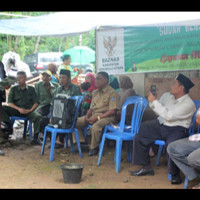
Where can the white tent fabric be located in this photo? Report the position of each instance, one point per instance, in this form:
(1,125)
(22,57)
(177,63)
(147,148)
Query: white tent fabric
(71,23)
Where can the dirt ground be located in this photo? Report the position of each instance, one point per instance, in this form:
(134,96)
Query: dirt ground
(24,167)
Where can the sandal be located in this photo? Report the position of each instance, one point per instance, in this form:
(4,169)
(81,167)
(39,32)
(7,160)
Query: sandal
(196,186)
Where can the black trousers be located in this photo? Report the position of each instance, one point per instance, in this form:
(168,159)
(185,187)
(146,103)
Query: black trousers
(148,133)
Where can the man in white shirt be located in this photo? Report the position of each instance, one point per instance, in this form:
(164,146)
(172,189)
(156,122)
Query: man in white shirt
(175,110)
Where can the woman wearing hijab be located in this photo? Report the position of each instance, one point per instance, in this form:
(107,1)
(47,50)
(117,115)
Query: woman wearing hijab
(91,79)
(114,83)
(126,90)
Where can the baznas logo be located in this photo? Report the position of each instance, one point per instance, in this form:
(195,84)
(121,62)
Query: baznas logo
(109,45)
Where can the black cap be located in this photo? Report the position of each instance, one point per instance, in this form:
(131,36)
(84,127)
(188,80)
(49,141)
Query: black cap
(185,81)
(65,72)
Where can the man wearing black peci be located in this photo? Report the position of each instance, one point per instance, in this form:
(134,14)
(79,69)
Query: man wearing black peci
(175,110)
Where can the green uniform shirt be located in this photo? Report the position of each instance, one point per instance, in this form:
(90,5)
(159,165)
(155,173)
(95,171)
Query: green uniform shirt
(44,96)
(23,98)
(73,90)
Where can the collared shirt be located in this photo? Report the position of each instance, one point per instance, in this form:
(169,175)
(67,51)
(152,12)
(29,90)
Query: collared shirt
(104,100)
(174,112)
(44,96)
(73,90)
(23,98)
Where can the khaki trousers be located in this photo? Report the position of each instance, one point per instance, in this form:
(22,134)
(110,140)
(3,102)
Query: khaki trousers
(96,129)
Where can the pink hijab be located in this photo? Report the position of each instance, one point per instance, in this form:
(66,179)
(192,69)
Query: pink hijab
(93,84)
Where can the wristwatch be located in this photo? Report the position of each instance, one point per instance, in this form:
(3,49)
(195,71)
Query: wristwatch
(98,117)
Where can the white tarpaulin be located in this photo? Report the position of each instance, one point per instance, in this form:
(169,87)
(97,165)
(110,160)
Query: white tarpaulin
(70,23)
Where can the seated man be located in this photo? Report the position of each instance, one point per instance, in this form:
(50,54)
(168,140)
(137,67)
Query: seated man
(185,154)
(175,111)
(2,94)
(105,103)
(22,101)
(45,90)
(67,88)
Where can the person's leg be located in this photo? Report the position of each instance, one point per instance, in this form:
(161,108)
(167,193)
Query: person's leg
(148,133)
(97,131)
(194,160)
(6,113)
(178,151)
(80,125)
(172,134)
(35,118)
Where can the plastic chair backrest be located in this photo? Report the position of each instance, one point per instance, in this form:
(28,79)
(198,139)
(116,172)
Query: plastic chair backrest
(140,103)
(77,104)
(193,122)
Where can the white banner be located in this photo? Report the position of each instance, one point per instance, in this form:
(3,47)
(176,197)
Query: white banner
(110,51)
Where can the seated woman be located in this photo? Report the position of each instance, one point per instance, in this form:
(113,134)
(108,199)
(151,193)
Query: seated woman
(126,90)
(91,79)
(52,67)
(87,97)
(114,83)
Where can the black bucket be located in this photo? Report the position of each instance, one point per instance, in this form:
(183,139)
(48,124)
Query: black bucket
(72,172)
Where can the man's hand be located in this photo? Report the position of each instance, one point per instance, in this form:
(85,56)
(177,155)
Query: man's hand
(151,97)
(198,118)
(88,115)
(92,119)
(24,111)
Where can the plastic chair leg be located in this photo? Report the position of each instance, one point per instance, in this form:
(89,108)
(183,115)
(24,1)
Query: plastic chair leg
(159,154)
(85,132)
(78,143)
(53,141)
(71,142)
(118,155)
(30,131)
(25,128)
(186,183)
(44,142)
(101,149)
(169,177)
(66,141)
(128,147)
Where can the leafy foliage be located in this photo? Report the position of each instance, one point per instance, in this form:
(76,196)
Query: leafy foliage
(25,45)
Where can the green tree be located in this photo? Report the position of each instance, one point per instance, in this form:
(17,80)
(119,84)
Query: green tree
(24,45)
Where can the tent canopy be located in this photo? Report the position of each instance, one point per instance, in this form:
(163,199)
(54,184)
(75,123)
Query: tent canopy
(72,23)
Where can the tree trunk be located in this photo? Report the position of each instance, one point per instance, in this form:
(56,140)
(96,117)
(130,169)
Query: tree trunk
(36,44)
(60,44)
(72,39)
(80,40)
(9,42)
(16,42)
(67,43)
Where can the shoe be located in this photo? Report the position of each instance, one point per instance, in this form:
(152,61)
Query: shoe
(93,152)
(58,146)
(142,172)
(176,179)
(36,142)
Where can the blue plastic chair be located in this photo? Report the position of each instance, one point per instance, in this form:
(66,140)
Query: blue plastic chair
(55,131)
(122,134)
(85,130)
(26,122)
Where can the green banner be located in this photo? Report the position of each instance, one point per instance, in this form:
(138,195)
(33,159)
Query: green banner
(161,48)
